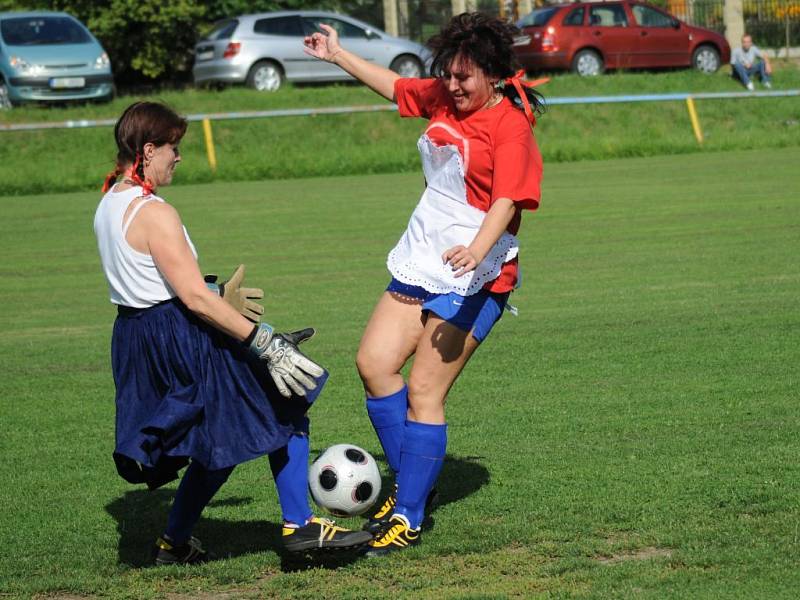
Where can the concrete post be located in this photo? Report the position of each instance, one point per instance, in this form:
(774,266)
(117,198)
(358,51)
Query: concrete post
(471,5)
(458,6)
(390,17)
(733,16)
(403,25)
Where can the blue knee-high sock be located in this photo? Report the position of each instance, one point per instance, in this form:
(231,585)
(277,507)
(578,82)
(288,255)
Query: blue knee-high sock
(290,469)
(388,416)
(195,491)
(424,447)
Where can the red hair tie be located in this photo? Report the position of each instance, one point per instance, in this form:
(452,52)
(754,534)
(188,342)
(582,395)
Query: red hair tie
(147,187)
(516,81)
(111,178)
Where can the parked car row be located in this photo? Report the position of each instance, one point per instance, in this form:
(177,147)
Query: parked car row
(51,56)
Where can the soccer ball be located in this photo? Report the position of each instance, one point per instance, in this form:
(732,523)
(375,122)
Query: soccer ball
(344,480)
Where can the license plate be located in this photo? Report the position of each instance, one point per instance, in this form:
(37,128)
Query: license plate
(206,55)
(67,82)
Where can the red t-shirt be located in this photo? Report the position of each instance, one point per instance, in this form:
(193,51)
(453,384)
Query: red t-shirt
(501,158)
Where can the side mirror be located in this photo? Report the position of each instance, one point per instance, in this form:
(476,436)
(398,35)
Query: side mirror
(371,35)
(676,24)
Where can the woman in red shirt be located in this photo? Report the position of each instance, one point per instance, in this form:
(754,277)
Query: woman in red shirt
(456,263)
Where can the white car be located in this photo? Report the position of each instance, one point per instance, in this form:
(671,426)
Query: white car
(265,49)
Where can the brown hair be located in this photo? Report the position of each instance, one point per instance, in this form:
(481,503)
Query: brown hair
(485,41)
(142,123)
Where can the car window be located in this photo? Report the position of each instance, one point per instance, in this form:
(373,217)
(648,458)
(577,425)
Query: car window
(345,30)
(611,15)
(287,26)
(575,17)
(648,17)
(537,18)
(42,31)
(223,30)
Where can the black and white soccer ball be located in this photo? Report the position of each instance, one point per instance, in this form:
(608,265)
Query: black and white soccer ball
(344,480)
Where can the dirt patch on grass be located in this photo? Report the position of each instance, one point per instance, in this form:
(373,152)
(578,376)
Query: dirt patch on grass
(648,553)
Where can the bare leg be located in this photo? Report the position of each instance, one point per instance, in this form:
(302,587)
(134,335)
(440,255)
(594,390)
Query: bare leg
(441,354)
(391,337)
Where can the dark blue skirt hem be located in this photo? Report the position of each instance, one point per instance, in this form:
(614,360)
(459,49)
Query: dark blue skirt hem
(186,390)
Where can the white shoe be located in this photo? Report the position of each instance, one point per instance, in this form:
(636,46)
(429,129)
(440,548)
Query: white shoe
(750,86)
(768,85)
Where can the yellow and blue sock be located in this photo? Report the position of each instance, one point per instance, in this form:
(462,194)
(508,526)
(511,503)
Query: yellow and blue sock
(195,491)
(388,416)
(421,459)
(290,469)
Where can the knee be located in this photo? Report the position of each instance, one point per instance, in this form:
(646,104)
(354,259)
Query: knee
(425,399)
(371,365)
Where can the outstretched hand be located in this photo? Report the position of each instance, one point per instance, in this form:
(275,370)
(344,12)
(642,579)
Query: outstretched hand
(324,46)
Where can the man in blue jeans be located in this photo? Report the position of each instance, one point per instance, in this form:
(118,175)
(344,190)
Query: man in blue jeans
(748,61)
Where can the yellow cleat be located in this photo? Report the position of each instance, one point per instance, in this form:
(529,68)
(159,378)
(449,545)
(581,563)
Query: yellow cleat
(396,535)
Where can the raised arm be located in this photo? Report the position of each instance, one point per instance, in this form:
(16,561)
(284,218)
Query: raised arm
(325,46)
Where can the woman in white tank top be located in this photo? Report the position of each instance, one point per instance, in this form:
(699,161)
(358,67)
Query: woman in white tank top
(195,380)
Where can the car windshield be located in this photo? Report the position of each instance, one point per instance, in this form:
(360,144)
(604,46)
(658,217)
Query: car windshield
(42,31)
(537,18)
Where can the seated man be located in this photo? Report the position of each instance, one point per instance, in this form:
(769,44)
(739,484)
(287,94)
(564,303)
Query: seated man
(748,61)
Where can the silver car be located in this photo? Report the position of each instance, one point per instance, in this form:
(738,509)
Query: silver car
(265,49)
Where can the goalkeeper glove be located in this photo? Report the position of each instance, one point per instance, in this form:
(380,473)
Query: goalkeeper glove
(290,369)
(240,298)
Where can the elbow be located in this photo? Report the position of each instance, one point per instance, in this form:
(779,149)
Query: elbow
(197,302)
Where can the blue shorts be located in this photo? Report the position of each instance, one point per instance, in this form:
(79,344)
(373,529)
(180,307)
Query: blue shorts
(474,314)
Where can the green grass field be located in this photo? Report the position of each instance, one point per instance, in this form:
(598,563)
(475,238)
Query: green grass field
(633,433)
(33,162)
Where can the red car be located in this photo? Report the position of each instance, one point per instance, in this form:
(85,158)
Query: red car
(589,37)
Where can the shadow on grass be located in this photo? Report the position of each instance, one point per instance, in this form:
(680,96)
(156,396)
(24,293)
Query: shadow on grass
(141,516)
(460,477)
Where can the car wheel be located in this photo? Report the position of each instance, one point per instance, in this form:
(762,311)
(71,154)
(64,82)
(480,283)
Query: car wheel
(706,59)
(587,63)
(407,66)
(265,76)
(5,99)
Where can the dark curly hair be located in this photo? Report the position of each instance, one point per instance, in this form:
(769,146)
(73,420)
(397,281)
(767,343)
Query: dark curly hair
(487,42)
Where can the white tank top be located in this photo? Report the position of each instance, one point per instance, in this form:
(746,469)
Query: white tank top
(133,278)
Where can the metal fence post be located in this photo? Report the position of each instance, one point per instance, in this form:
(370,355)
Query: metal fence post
(698,133)
(212,155)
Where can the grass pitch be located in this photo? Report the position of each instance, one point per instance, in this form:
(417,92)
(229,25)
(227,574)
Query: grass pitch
(633,433)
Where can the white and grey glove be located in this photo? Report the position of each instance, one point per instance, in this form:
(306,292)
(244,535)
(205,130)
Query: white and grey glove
(291,370)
